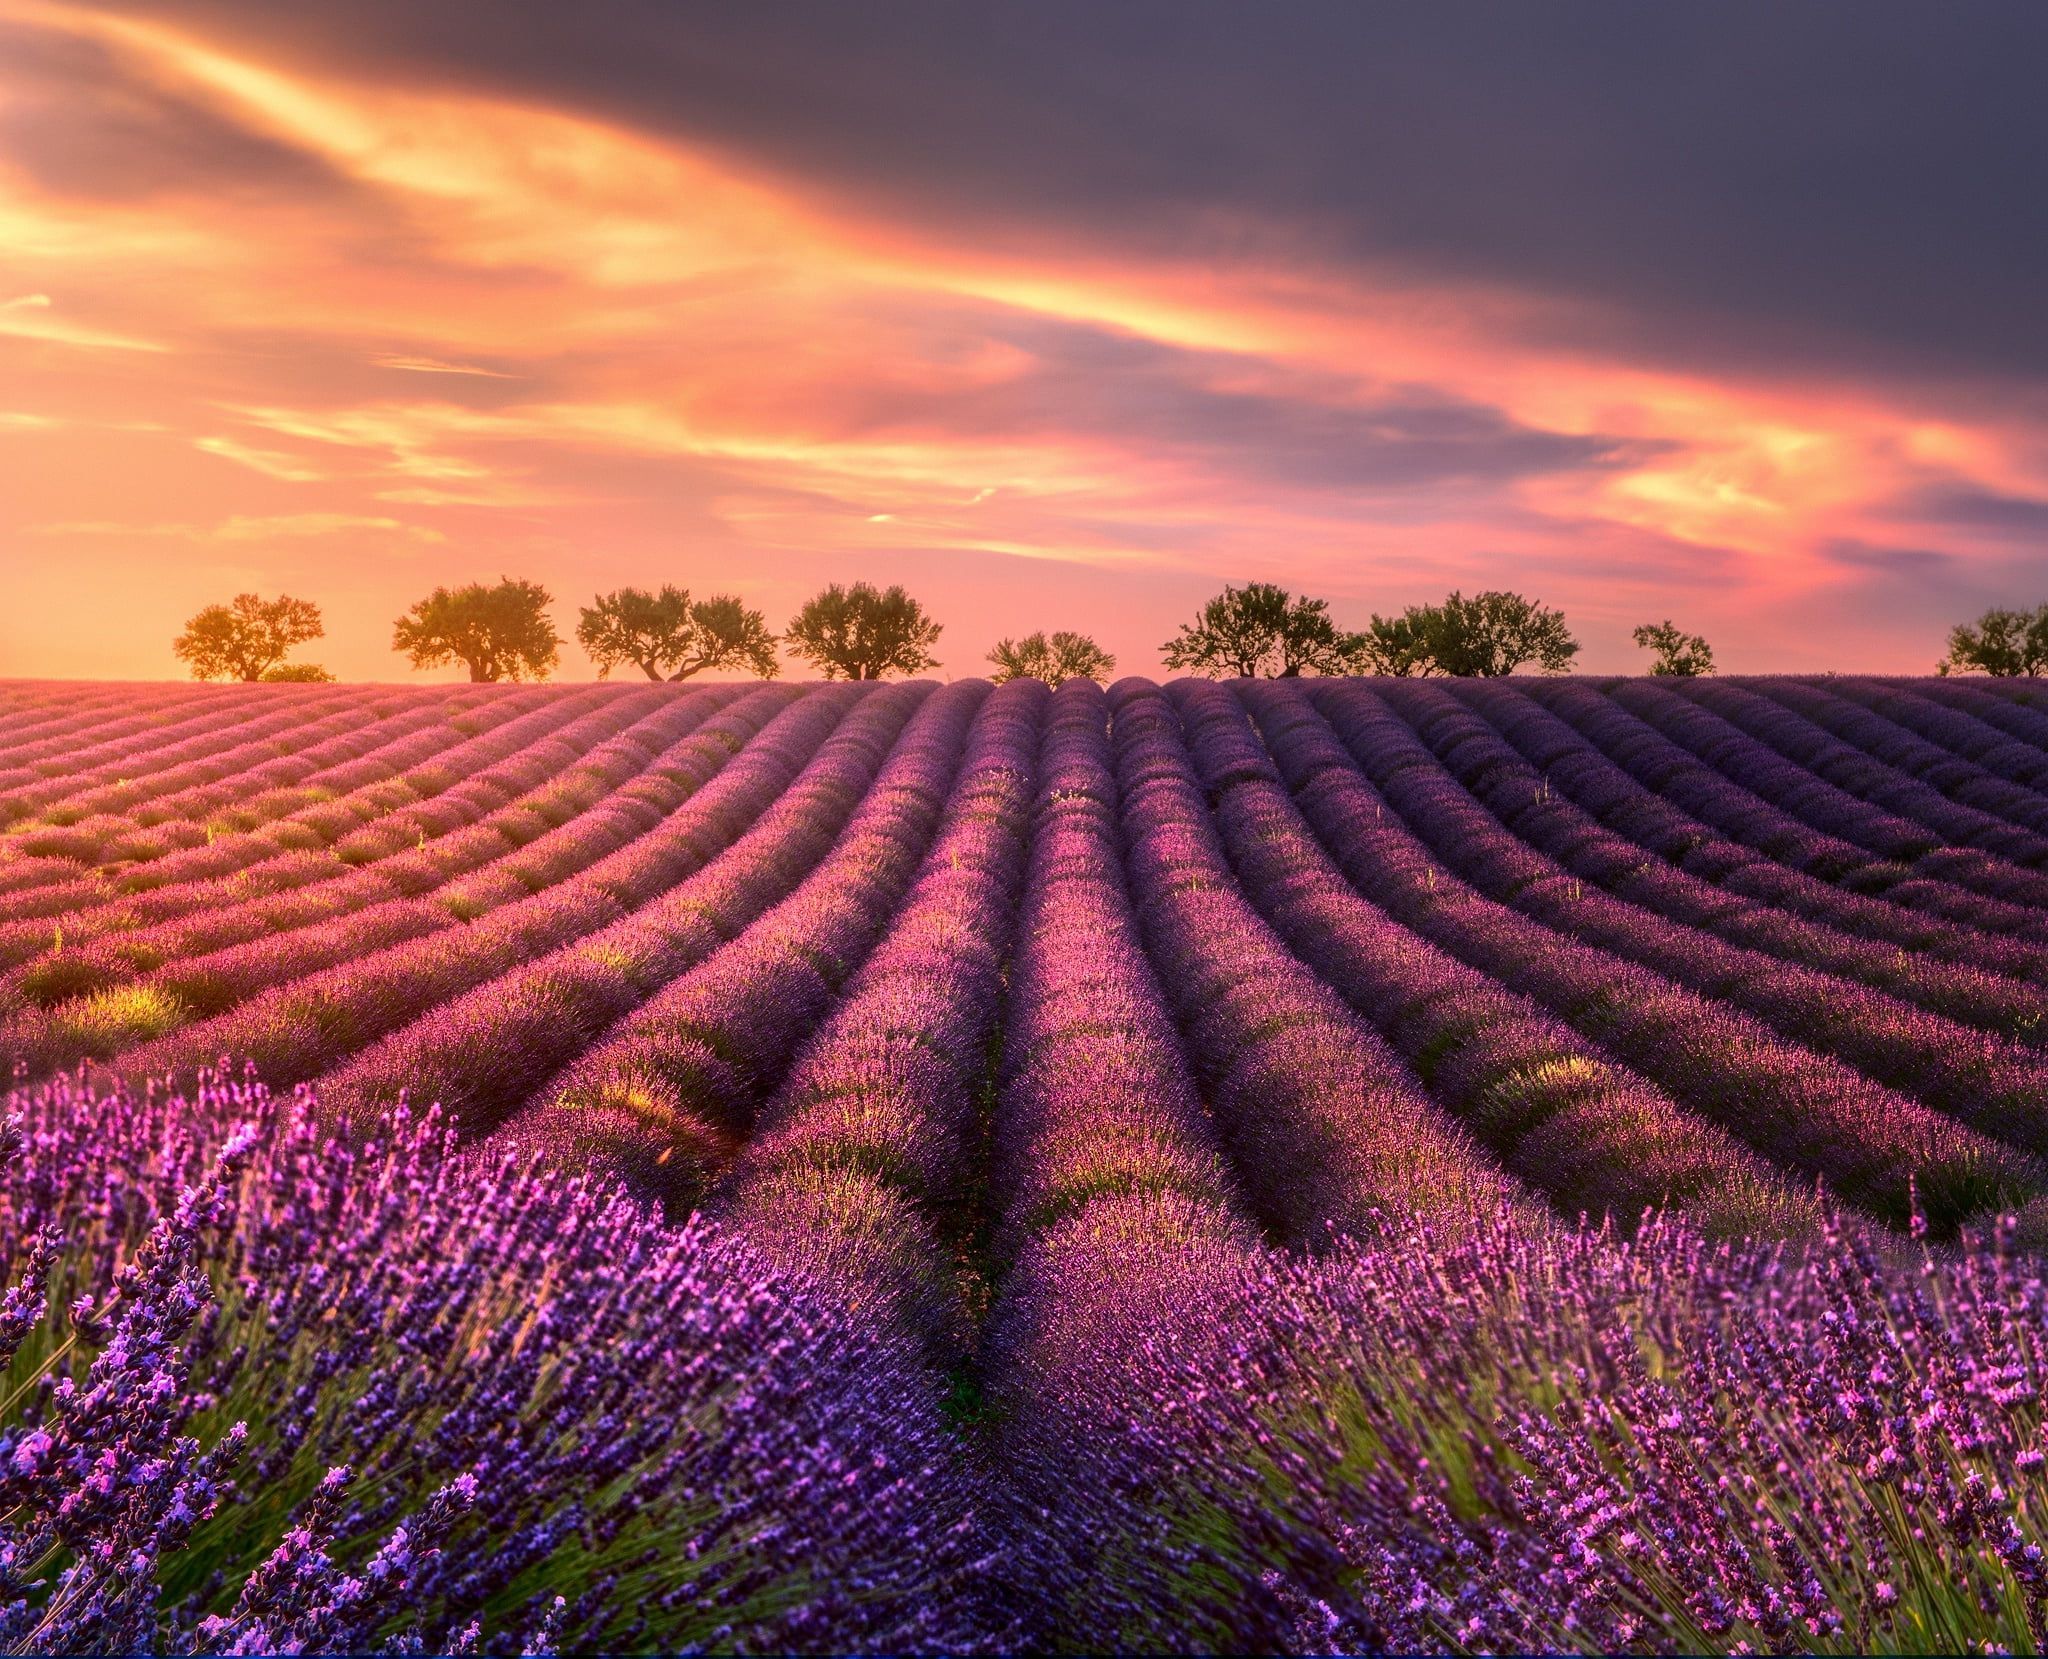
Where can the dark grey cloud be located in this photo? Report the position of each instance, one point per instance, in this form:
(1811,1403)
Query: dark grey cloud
(1802,185)
(1888,561)
(1977,509)
(1303,432)
(84,120)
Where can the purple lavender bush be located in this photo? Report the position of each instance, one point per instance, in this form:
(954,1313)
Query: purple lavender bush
(1530,1440)
(268,1393)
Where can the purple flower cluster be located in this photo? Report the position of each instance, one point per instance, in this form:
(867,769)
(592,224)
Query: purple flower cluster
(1748,811)
(1781,722)
(1972,768)
(298,1396)
(1533,1441)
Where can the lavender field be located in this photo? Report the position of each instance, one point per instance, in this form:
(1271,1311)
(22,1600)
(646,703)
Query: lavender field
(1308,1165)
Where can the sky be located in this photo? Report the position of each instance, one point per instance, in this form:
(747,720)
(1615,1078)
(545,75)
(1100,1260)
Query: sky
(1061,315)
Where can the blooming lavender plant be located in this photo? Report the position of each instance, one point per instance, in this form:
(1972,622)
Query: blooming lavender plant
(270,1393)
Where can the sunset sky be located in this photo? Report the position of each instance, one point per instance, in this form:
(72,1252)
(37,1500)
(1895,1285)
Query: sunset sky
(1059,314)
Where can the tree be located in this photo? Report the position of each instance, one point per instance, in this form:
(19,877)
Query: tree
(1396,645)
(1262,630)
(1488,635)
(247,638)
(859,633)
(2000,642)
(500,633)
(1679,655)
(668,635)
(1057,660)
(297,673)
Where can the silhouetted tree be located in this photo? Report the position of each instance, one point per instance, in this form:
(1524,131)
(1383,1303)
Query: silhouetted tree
(1679,655)
(499,633)
(1055,660)
(1261,630)
(1488,635)
(668,635)
(861,633)
(2000,642)
(247,638)
(297,673)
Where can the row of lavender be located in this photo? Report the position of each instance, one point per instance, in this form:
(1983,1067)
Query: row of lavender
(1379,908)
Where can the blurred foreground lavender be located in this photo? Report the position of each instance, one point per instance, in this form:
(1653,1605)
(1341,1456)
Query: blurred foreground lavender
(263,1393)
(1528,1441)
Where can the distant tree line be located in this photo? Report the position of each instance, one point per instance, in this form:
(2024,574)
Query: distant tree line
(502,631)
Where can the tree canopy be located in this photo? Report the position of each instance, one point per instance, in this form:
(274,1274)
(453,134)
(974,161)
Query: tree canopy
(1489,635)
(862,633)
(1679,655)
(1261,630)
(670,636)
(499,633)
(248,638)
(1055,659)
(2000,642)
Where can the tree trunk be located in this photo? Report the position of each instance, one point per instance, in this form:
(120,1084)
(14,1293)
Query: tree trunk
(648,668)
(480,674)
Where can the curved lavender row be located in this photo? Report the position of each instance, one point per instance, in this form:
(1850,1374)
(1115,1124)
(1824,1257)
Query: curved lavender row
(45,748)
(1944,726)
(1710,729)
(1592,1136)
(299,1028)
(2020,715)
(1328,1131)
(1558,838)
(1537,1443)
(1115,1202)
(1993,1085)
(1096,1100)
(68,714)
(92,949)
(1573,766)
(1801,727)
(863,1168)
(217,720)
(216,751)
(1804,1111)
(672,1088)
(1651,755)
(366,788)
(574,770)
(149,818)
(473,1389)
(252,946)
(483,1054)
